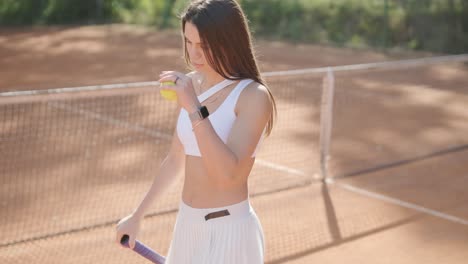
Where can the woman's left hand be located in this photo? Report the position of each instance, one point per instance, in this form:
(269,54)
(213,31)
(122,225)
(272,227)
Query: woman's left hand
(186,96)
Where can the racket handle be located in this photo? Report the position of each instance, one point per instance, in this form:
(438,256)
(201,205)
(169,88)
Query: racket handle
(144,250)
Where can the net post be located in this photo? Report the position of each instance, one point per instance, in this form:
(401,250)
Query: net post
(326,118)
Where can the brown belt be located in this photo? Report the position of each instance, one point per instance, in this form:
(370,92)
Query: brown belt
(216,214)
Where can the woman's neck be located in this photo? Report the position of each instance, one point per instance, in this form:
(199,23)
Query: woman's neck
(209,80)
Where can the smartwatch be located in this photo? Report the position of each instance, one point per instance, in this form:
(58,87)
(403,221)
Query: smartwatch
(200,114)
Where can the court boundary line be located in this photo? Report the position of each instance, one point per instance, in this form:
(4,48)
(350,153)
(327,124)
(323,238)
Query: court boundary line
(388,199)
(399,202)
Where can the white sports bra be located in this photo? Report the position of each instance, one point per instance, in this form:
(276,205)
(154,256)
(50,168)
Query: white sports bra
(222,119)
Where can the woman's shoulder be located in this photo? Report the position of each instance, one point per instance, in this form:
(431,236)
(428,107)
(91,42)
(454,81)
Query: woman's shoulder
(256,89)
(256,94)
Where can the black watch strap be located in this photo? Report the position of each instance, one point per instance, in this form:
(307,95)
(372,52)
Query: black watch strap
(200,114)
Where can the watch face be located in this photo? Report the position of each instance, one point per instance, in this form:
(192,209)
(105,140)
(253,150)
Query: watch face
(204,112)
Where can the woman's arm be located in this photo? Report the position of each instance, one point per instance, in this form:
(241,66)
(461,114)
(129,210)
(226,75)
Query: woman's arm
(171,168)
(222,160)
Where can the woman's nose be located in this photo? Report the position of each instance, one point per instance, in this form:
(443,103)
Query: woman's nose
(196,53)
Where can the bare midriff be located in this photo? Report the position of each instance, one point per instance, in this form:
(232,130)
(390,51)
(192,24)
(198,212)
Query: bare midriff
(202,190)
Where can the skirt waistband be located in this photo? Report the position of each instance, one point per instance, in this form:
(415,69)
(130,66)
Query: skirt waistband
(238,210)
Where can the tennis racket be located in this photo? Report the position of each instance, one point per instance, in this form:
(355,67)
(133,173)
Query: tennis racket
(144,250)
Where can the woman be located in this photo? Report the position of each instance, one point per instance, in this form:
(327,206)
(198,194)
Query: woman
(225,111)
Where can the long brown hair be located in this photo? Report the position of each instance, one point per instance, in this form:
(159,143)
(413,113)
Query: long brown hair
(223,29)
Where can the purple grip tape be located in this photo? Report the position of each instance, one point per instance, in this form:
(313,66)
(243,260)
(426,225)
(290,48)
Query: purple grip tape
(144,251)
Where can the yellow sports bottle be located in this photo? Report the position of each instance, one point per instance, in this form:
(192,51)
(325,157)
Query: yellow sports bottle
(168,94)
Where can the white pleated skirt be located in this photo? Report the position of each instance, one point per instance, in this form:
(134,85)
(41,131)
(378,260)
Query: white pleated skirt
(210,235)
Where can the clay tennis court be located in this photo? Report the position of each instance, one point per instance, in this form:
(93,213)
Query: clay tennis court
(73,164)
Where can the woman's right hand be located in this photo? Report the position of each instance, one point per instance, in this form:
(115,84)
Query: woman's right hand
(183,86)
(129,225)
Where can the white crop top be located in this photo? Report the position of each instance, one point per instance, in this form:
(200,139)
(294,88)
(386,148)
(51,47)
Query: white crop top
(222,119)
